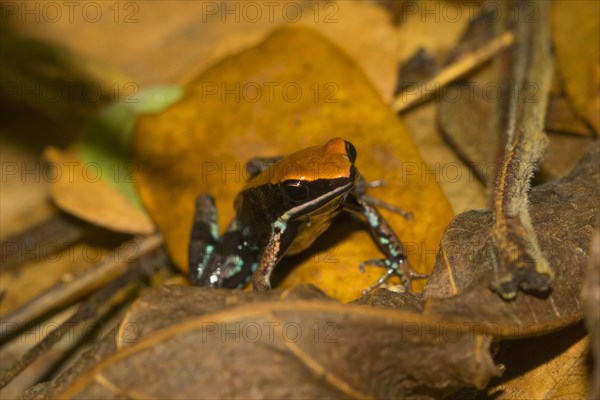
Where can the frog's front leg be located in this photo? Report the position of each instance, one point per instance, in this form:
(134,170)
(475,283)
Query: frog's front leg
(396,262)
(204,236)
(282,235)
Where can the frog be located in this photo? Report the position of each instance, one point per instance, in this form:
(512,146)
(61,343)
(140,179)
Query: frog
(284,207)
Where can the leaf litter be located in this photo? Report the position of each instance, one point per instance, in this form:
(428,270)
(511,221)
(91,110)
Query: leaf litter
(388,344)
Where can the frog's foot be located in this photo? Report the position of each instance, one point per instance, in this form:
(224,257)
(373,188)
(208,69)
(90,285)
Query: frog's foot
(401,269)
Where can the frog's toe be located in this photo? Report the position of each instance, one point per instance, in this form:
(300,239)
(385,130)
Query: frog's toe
(414,275)
(391,269)
(400,268)
(387,275)
(377,262)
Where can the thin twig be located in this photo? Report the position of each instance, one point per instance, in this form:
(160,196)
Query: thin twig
(410,97)
(92,310)
(64,293)
(59,229)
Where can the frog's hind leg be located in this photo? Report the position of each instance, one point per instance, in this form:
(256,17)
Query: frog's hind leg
(204,236)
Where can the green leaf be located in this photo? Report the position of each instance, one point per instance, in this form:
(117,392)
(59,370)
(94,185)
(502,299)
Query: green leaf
(106,138)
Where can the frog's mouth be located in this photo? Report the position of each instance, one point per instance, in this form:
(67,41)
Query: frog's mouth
(324,197)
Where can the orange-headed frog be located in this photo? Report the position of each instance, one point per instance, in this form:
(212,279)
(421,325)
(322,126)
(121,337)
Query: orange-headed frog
(283,208)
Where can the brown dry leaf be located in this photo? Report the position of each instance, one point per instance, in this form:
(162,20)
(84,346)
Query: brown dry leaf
(544,368)
(306,348)
(575,27)
(564,214)
(77,188)
(468,125)
(466,108)
(458,181)
(465,125)
(201,144)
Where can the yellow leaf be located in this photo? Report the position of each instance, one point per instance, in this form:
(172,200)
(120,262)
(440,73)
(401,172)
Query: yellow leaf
(292,91)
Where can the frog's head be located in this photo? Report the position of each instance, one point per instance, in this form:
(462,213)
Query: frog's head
(311,181)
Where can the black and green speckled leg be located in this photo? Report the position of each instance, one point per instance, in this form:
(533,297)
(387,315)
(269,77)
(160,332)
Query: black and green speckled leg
(396,262)
(204,236)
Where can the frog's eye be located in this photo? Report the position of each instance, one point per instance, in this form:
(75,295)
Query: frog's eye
(296,191)
(350,151)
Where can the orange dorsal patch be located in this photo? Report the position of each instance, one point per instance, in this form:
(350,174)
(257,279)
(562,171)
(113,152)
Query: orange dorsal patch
(328,161)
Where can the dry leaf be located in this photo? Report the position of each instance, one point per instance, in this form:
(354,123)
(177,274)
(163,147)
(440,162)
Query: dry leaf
(202,143)
(466,109)
(78,189)
(544,368)
(306,347)
(468,125)
(564,214)
(575,27)
(161,329)
(459,183)
(590,297)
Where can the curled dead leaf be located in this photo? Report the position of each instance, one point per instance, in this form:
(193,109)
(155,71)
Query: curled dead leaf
(300,346)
